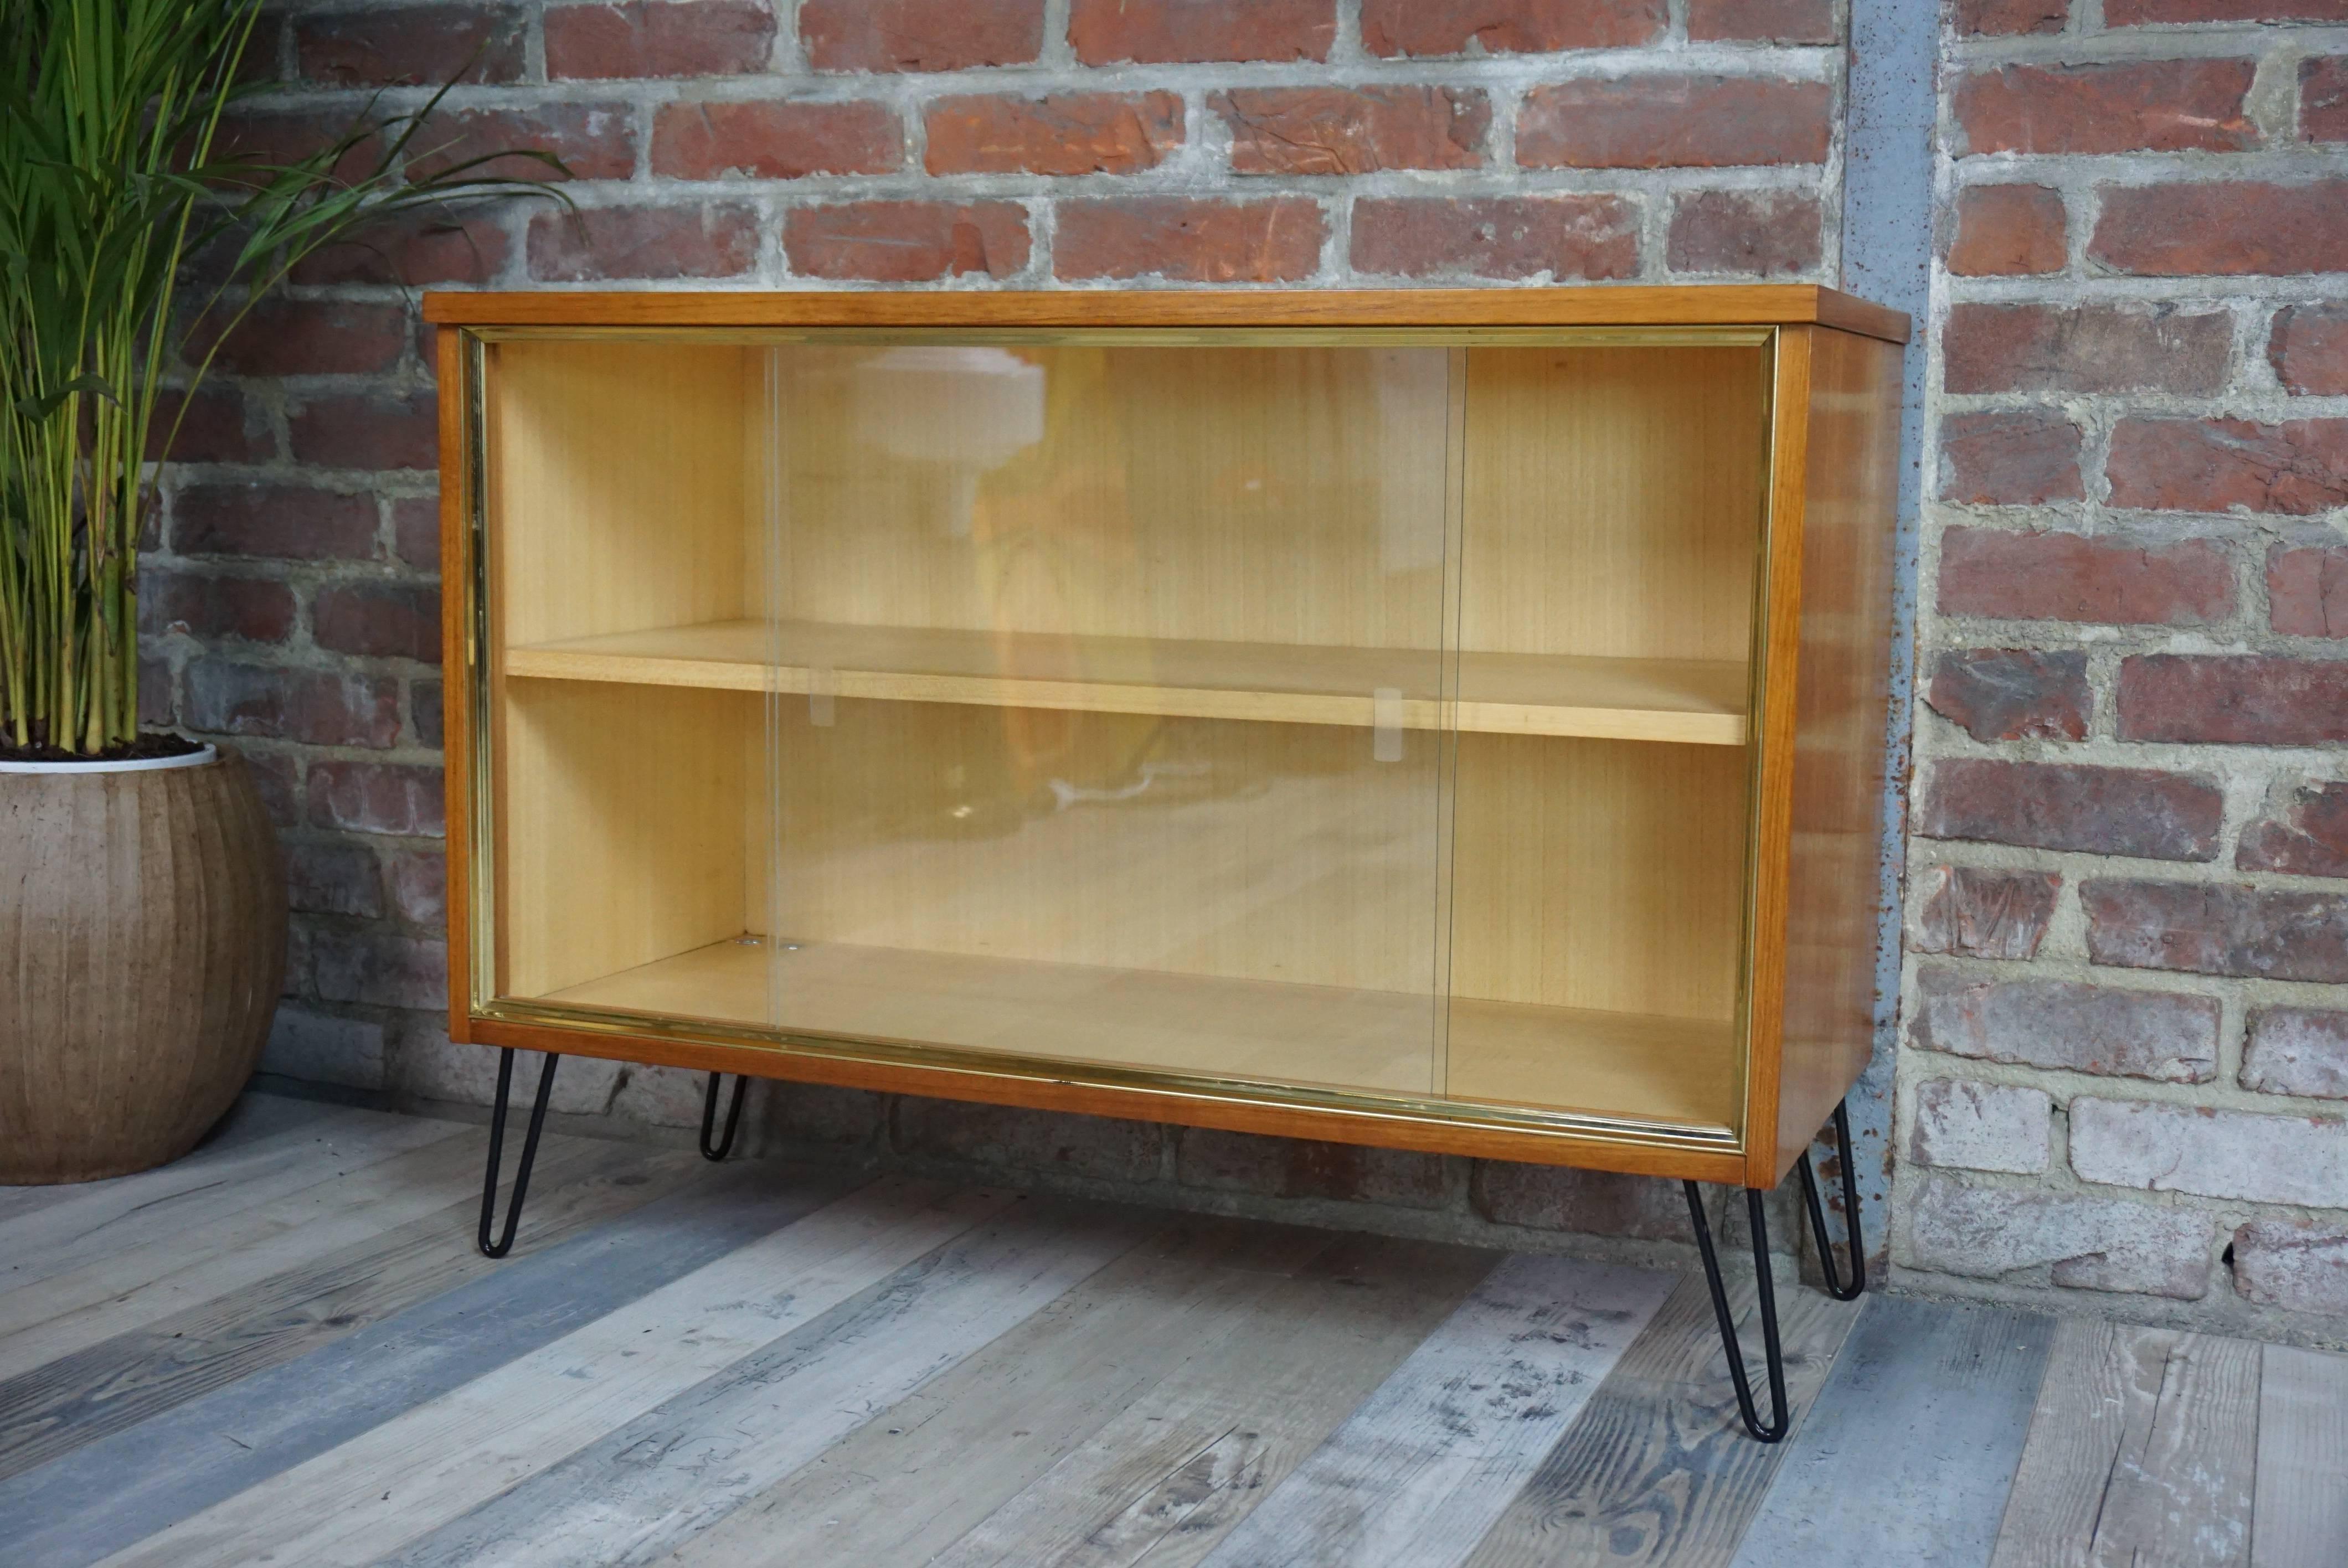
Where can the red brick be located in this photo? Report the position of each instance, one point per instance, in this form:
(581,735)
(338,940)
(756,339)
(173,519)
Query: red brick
(2138,811)
(424,707)
(920,34)
(1059,133)
(2299,1266)
(2101,579)
(2061,1024)
(312,337)
(1757,234)
(2223,228)
(283,136)
(1041,1141)
(419,886)
(2009,457)
(1354,131)
(1589,1203)
(2137,105)
(1195,241)
(333,878)
(2234,698)
(416,531)
(907,241)
(379,969)
(2084,348)
(1164,32)
(1393,28)
(2297,468)
(2133,13)
(2308,838)
(412,46)
(218,426)
(593,140)
(381,619)
(323,708)
(214,608)
(2009,230)
(716,241)
(1982,913)
(2323,99)
(366,430)
(1768,21)
(645,39)
(2217,929)
(413,249)
(1666,121)
(2307,591)
(2012,693)
(1302,1168)
(2309,350)
(282,520)
(377,798)
(2005,18)
(770,140)
(1561,237)
(2297,1050)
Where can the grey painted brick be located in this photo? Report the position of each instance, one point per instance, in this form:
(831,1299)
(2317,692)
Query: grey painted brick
(2108,1029)
(2297,1050)
(2092,1244)
(430,1066)
(2292,1264)
(324,1048)
(1981,1126)
(2217,1154)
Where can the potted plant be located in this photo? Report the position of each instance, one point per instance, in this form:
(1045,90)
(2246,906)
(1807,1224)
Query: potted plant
(142,903)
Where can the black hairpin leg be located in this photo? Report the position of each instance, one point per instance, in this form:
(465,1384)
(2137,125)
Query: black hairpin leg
(718,1151)
(1765,1288)
(504,1243)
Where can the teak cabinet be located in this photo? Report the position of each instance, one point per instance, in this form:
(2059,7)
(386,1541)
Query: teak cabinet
(1441,720)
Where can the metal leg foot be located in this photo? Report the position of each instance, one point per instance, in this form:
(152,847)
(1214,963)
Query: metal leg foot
(1767,1291)
(719,1150)
(504,1243)
(1773,1351)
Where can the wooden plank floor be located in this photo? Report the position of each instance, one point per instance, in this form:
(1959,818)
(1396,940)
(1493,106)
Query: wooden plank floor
(284,1349)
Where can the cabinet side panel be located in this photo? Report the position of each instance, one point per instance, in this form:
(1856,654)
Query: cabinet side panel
(456,664)
(1849,507)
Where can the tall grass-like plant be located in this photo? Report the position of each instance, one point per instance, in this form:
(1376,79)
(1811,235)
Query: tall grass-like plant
(112,176)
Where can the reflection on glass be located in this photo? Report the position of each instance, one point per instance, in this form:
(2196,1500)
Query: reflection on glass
(1366,717)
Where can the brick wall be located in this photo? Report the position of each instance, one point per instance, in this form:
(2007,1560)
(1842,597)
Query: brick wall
(2125,1049)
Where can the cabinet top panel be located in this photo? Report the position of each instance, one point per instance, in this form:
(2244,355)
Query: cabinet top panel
(1722,304)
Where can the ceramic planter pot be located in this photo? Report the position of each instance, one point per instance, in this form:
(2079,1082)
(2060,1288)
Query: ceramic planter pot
(142,948)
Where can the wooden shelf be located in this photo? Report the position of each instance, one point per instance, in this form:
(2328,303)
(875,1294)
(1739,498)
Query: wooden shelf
(1698,702)
(1682,1072)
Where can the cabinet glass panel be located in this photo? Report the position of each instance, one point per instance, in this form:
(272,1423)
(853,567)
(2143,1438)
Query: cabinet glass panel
(1370,716)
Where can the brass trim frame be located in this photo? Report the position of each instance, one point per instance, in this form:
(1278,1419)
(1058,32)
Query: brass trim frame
(1756,727)
(471,575)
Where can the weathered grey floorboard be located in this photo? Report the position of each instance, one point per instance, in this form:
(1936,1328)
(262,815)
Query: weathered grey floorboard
(1165,1480)
(1659,1468)
(642,1489)
(1416,1476)
(105,1495)
(108,1217)
(1909,1452)
(921,1472)
(252,1117)
(115,1293)
(2300,1519)
(131,1377)
(2141,1450)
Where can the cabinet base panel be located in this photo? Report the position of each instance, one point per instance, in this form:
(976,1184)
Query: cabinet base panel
(1681,1073)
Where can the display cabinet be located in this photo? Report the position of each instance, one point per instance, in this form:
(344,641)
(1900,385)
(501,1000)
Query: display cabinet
(1448,721)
